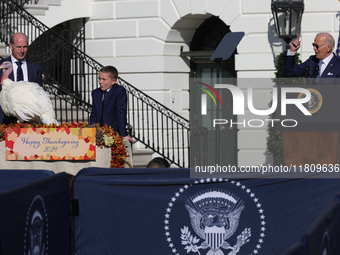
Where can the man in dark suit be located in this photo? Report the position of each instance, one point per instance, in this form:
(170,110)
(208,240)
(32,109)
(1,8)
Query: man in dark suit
(25,70)
(109,102)
(324,64)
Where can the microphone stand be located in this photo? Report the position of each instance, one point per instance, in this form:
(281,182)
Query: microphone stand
(315,74)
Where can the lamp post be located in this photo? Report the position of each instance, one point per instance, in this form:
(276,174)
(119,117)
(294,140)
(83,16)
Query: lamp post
(287,18)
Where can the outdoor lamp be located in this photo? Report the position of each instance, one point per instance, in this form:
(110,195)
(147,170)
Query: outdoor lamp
(287,18)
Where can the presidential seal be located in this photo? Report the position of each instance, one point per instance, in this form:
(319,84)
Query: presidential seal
(214,217)
(217,224)
(36,230)
(325,246)
(315,102)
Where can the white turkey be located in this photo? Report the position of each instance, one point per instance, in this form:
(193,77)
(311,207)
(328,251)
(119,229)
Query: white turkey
(26,101)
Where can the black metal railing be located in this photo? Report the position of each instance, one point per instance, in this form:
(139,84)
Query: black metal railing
(198,143)
(157,126)
(70,75)
(22,3)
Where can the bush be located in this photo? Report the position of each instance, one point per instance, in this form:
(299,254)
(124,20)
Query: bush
(274,139)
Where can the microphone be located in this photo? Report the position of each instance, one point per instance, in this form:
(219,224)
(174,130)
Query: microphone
(306,71)
(316,71)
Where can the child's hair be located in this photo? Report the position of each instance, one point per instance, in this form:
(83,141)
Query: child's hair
(158,162)
(111,70)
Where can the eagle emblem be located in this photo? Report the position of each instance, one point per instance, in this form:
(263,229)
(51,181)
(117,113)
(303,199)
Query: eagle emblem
(315,103)
(36,230)
(214,217)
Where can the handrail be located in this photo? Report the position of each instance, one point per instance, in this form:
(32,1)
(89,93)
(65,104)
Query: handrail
(71,75)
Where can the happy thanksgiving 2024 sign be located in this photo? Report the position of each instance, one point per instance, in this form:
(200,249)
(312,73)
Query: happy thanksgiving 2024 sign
(50,144)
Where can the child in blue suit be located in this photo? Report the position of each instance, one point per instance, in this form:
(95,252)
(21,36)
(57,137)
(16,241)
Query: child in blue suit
(109,102)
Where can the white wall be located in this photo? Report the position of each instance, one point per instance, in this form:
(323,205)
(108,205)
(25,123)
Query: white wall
(63,10)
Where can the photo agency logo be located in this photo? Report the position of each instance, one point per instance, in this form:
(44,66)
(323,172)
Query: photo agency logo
(204,97)
(238,97)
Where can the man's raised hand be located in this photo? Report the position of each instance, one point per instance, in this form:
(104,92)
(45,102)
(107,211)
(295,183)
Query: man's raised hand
(295,45)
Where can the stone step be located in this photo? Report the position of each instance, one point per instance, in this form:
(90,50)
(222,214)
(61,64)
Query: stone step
(41,7)
(141,157)
(4,51)
(36,9)
(54,2)
(63,108)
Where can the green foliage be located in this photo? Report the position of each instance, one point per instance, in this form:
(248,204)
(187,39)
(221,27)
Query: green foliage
(279,63)
(280,78)
(274,139)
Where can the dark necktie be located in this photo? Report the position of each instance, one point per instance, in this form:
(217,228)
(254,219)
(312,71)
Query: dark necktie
(20,75)
(103,101)
(319,74)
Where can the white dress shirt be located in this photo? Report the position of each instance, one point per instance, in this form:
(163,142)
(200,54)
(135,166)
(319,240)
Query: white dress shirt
(325,63)
(23,67)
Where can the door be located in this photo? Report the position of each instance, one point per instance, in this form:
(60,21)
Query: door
(221,144)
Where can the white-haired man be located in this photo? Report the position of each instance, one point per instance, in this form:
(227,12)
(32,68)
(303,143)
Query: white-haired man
(324,64)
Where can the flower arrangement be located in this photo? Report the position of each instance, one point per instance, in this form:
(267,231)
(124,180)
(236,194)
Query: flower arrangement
(105,137)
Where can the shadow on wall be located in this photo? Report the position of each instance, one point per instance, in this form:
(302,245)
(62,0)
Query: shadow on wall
(277,45)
